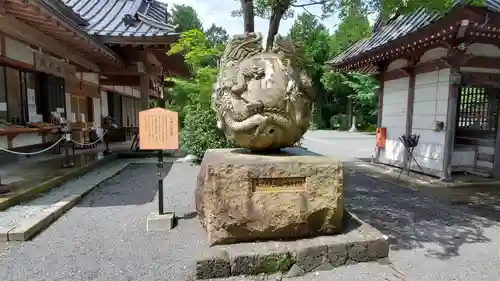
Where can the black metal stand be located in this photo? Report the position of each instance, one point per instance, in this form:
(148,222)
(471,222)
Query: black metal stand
(106,143)
(410,142)
(68,163)
(159,173)
(135,143)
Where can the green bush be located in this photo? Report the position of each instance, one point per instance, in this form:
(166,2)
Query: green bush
(200,131)
(339,122)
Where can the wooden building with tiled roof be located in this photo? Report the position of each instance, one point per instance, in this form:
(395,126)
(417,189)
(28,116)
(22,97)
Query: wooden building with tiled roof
(84,59)
(439,78)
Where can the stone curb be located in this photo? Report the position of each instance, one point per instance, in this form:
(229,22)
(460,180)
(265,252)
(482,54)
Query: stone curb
(28,228)
(298,261)
(52,183)
(390,176)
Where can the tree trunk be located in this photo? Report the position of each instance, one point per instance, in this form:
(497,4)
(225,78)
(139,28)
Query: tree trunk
(248,16)
(274,22)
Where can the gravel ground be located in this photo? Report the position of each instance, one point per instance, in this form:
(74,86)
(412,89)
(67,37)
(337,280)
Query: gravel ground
(13,215)
(104,237)
(432,240)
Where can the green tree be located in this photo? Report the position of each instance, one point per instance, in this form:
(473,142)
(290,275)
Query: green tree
(354,94)
(216,35)
(276,10)
(312,41)
(198,52)
(191,98)
(185,18)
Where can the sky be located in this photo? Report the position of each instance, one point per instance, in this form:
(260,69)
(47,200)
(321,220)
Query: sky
(213,11)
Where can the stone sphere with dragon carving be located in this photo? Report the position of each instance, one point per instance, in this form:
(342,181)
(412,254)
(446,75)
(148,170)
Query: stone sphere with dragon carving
(263,99)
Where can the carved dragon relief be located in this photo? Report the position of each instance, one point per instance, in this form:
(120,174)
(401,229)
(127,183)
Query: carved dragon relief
(262,99)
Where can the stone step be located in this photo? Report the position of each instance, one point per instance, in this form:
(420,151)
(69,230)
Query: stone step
(359,243)
(22,222)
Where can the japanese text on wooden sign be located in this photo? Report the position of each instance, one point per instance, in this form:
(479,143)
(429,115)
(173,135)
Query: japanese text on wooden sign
(158,129)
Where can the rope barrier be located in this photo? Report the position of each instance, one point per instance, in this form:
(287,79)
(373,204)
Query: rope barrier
(53,145)
(92,143)
(33,153)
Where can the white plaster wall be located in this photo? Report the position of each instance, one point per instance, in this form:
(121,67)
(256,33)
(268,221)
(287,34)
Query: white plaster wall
(485,50)
(433,54)
(18,51)
(394,119)
(397,64)
(27,139)
(96,103)
(463,157)
(486,150)
(104,103)
(4,142)
(90,77)
(430,105)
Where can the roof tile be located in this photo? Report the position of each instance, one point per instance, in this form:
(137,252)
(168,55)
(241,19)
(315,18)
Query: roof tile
(107,17)
(397,27)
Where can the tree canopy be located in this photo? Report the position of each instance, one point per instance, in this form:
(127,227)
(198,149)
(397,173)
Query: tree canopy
(276,10)
(185,18)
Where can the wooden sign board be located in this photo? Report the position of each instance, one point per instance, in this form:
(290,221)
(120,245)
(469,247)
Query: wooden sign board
(47,64)
(158,129)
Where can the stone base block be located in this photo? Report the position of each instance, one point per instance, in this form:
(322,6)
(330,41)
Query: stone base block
(358,243)
(157,222)
(244,197)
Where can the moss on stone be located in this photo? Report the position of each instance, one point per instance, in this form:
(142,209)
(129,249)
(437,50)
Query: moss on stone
(275,263)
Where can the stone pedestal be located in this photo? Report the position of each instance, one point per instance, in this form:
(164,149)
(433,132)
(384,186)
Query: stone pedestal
(243,197)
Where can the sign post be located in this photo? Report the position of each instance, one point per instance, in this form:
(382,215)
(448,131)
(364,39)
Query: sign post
(159,130)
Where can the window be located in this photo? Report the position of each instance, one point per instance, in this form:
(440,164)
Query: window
(477,112)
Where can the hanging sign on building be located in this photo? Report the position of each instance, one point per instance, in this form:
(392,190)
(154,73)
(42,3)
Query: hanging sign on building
(158,129)
(47,64)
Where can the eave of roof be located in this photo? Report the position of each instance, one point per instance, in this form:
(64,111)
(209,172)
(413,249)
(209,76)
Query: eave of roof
(123,18)
(61,9)
(399,27)
(75,22)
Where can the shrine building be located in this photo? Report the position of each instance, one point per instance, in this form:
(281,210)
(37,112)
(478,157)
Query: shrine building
(439,79)
(83,60)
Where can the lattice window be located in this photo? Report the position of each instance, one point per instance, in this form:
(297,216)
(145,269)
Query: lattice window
(477,112)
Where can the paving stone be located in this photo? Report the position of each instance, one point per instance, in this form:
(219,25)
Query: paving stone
(337,254)
(295,271)
(358,251)
(311,257)
(325,267)
(61,207)
(243,265)
(216,266)
(318,253)
(4,233)
(30,227)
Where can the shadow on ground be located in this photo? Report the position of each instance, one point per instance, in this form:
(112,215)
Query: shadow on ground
(144,188)
(413,219)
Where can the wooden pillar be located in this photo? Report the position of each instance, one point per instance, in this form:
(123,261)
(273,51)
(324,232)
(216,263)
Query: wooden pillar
(496,159)
(409,109)
(349,112)
(381,68)
(144,92)
(451,122)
